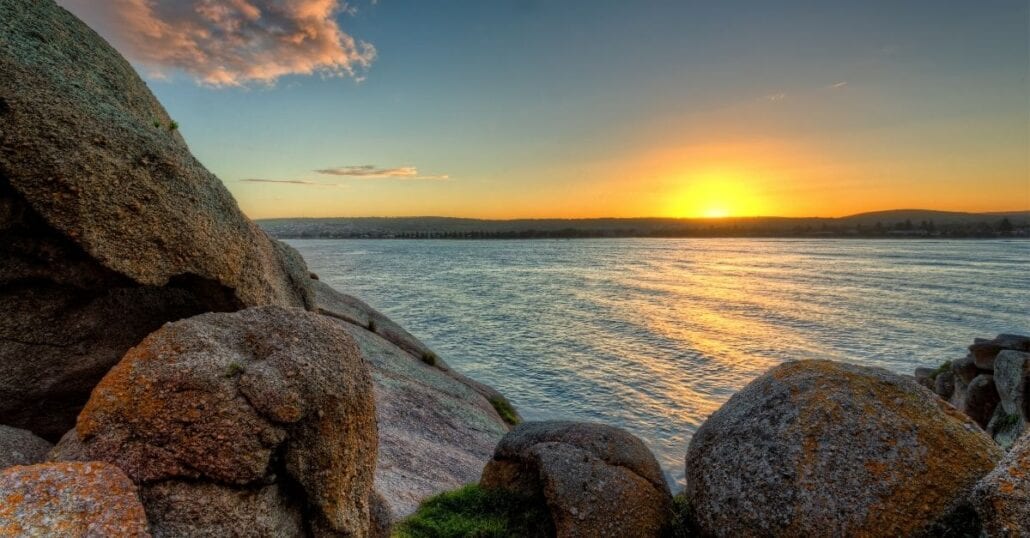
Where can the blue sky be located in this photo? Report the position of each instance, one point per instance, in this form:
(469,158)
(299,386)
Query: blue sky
(533,108)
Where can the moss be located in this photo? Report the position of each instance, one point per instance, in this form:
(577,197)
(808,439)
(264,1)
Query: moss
(682,524)
(477,512)
(429,358)
(944,367)
(1006,422)
(505,409)
(233,369)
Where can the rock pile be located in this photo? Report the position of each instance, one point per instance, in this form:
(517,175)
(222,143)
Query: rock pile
(110,231)
(991,384)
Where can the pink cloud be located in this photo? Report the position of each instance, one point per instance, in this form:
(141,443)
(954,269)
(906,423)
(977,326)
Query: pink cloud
(229,42)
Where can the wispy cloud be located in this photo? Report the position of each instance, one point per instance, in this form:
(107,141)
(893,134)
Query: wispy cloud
(290,182)
(775,96)
(230,42)
(369,171)
(837,85)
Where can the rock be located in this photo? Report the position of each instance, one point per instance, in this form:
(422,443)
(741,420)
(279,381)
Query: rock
(353,310)
(925,376)
(69,499)
(981,399)
(965,368)
(21,447)
(595,479)
(1004,428)
(435,432)
(1011,375)
(826,449)
(437,428)
(1002,498)
(958,397)
(984,351)
(243,401)
(109,227)
(180,508)
(944,385)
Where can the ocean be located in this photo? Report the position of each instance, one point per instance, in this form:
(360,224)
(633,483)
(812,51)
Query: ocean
(653,335)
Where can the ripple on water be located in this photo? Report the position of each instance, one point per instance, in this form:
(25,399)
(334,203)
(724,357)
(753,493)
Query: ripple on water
(653,335)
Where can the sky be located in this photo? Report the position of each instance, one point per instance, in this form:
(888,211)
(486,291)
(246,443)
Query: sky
(594,108)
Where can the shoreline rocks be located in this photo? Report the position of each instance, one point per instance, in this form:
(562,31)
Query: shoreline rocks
(990,385)
(596,480)
(822,448)
(109,227)
(268,411)
(1002,498)
(70,499)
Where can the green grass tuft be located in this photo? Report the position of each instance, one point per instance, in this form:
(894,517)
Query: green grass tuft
(157,123)
(234,369)
(505,409)
(429,358)
(173,125)
(944,367)
(476,512)
(1007,421)
(682,524)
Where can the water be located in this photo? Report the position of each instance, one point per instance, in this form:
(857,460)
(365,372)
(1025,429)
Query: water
(653,335)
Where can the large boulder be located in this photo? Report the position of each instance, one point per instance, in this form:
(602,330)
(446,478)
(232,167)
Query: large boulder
(437,428)
(21,447)
(1002,498)
(109,227)
(69,499)
(827,449)
(269,410)
(596,480)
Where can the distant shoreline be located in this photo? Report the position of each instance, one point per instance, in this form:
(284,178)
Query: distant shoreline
(898,224)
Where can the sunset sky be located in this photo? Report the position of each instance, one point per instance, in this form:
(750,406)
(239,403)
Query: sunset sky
(504,109)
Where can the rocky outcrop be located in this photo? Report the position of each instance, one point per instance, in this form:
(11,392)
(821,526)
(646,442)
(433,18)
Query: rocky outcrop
(1002,498)
(820,448)
(69,499)
(437,428)
(596,480)
(108,225)
(990,384)
(21,447)
(267,413)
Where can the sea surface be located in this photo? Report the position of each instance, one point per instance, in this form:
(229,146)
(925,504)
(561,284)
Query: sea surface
(653,335)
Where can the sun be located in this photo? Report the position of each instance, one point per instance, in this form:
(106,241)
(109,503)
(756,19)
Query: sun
(716,213)
(715,194)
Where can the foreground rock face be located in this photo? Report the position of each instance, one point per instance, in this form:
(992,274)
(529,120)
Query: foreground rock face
(21,447)
(1002,498)
(108,225)
(596,480)
(820,448)
(69,499)
(437,428)
(264,414)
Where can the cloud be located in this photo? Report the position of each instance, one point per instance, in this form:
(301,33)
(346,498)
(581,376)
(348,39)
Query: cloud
(368,171)
(775,97)
(230,42)
(290,182)
(837,85)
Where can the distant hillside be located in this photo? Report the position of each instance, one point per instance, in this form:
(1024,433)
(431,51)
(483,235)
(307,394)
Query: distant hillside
(894,223)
